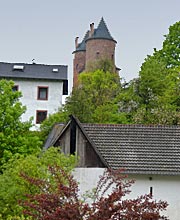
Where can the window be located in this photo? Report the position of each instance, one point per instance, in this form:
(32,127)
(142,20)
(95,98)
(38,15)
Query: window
(151,191)
(15,88)
(55,70)
(40,116)
(42,93)
(18,67)
(97,55)
(65,87)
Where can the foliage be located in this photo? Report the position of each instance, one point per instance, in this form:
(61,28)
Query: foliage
(153,98)
(94,100)
(46,125)
(63,202)
(105,65)
(97,90)
(171,46)
(13,187)
(15,137)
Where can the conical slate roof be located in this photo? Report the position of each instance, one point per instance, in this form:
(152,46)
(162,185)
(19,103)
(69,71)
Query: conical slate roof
(82,45)
(101,32)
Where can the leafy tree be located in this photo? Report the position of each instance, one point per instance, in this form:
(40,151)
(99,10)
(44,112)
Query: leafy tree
(15,137)
(94,100)
(13,187)
(153,98)
(171,46)
(96,90)
(109,202)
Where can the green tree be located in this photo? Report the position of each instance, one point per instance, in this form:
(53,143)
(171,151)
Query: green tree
(170,51)
(153,98)
(15,137)
(97,91)
(14,188)
(94,100)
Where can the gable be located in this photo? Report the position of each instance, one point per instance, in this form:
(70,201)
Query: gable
(138,149)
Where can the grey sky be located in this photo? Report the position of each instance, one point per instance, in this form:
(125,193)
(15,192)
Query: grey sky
(45,30)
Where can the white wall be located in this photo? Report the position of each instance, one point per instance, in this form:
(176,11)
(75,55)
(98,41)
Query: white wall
(29,89)
(164,187)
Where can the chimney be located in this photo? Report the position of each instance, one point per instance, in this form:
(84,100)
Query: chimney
(76,42)
(91,29)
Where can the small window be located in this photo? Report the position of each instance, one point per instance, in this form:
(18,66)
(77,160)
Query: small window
(15,88)
(151,191)
(40,116)
(42,93)
(97,54)
(77,66)
(65,87)
(18,67)
(55,70)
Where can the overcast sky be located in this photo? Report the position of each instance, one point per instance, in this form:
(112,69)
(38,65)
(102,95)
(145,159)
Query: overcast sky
(45,30)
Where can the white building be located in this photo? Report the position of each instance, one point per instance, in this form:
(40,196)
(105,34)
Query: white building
(149,154)
(42,87)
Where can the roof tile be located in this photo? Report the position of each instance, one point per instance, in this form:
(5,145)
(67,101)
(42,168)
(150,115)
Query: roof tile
(138,148)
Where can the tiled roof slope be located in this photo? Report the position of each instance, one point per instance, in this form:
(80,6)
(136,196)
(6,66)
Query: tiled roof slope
(138,149)
(33,71)
(101,32)
(53,135)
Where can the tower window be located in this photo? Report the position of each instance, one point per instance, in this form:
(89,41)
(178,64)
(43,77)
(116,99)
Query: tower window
(97,54)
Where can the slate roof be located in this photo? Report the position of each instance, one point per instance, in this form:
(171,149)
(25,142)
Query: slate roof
(82,45)
(137,148)
(33,71)
(101,32)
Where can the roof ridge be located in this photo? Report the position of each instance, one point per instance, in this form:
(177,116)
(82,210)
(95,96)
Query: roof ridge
(40,64)
(131,125)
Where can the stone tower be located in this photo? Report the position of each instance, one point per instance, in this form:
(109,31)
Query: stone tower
(97,44)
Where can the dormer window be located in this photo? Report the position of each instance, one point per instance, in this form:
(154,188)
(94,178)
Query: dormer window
(55,70)
(18,67)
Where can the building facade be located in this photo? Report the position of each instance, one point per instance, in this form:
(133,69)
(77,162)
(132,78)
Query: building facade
(97,44)
(42,87)
(149,154)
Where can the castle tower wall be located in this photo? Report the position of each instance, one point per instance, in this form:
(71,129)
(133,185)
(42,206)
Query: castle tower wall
(100,49)
(97,44)
(78,65)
